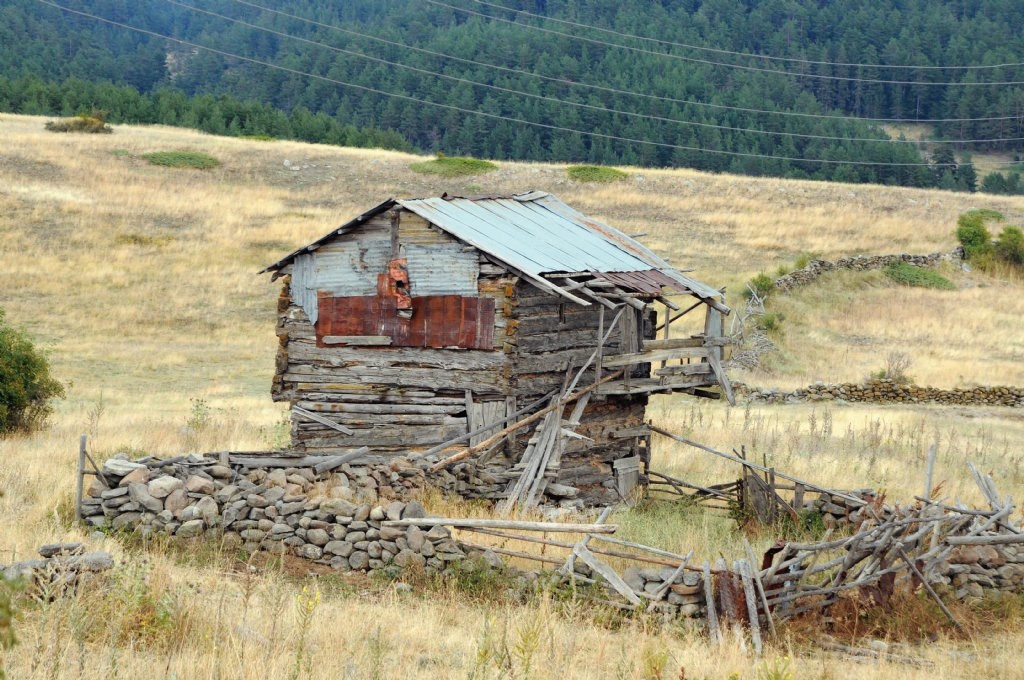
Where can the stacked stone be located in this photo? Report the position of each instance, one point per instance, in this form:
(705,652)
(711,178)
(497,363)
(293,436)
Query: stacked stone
(467,480)
(982,571)
(685,596)
(889,392)
(59,561)
(839,511)
(816,268)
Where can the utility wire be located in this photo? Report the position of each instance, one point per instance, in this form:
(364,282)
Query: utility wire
(590,107)
(718,63)
(742,54)
(450,107)
(563,81)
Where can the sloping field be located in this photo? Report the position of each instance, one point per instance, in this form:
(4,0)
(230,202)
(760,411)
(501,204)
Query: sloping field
(141,279)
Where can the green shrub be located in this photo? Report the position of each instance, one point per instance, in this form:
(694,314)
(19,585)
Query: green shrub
(909,275)
(762,285)
(119,152)
(771,322)
(782,270)
(259,138)
(182,159)
(973,235)
(94,122)
(594,173)
(804,259)
(1010,245)
(26,387)
(453,166)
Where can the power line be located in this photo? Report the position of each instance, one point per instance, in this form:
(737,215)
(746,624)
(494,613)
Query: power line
(485,114)
(603,88)
(744,54)
(591,107)
(718,63)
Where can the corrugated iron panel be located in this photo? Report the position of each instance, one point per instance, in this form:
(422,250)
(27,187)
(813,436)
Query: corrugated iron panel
(437,320)
(303,285)
(442,269)
(351,269)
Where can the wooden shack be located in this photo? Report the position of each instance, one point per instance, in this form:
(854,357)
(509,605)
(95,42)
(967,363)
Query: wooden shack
(424,319)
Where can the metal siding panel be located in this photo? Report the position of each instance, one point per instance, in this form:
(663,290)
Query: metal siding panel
(303,285)
(351,269)
(442,270)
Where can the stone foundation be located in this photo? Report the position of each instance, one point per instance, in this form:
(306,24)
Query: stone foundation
(886,391)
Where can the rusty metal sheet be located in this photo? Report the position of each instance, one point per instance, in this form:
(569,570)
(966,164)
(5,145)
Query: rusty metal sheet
(437,320)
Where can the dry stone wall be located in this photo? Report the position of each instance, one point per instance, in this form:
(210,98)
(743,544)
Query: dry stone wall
(886,391)
(810,273)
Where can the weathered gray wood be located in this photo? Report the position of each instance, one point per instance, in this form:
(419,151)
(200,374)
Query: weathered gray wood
(372,340)
(928,587)
(659,593)
(723,379)
(929,471)
(338,461)
(302,352)
(304,461)
(684,369)
(320,419)
(80,478)
(515,525)
(396,219)
(744,570)
(655,355)
(378,409)
(1002,539)
(756,576)
(606,572)
(673,343)
(712,610)
(362,421)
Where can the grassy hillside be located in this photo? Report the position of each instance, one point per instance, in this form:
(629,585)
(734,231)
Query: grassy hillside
(141,279)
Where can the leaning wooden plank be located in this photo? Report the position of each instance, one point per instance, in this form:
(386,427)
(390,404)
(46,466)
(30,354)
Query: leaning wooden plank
(338,461)
(554,527)
(744,570)
(570,563)
(511,553)
(606,572)
(723,379)
(375,340)
(709,599)
(756,576)
(320,419)
(515,426)
(660,591)
(655,355)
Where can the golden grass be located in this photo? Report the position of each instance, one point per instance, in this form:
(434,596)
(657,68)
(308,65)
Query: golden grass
(142,281)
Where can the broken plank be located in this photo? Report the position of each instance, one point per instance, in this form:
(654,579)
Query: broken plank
(320,419)
(606,572)
(656,355)
(369,340)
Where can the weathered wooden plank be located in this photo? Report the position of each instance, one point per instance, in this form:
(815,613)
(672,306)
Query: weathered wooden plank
(552,342)
(314,376)
(365,420)
(549,527)
(684,369)
(356,340)
(377,409)
(446,359)
(656,355)
(673,343)
(590,559)
(320,419)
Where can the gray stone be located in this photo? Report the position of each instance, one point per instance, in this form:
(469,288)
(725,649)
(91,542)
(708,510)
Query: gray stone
(119,468)
(394,510)
(492,560)
(339,563)
(126,519)
(139,493)
(309,551)
(318,537)
(359,560)
(339,507)
(51,549)
(96,487)
(229,516)
(428,549)
(407,558)
(114,493)
(190,513)
(273,495)
(190,529)
(221,472)
(651,574)
(253,535)
(362,512)
(136,476)
(437,533)
(391,533)
(633,578)
(291,508)
(374,550)
(668,572)
(413,510)
(197,484)
(377,514)
(161,487)
(342,548)
(256,501)
(691,578)
(416,538)
(355,536)
(225,494)
(293,541)
(689,610)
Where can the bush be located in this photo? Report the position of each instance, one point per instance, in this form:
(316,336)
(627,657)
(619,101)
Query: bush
(26,387)
(804,259)
(182,159)
(94,122)
(973,235)
(762,285)
(909,275)
(453,166)
(1010,245)
(594,173)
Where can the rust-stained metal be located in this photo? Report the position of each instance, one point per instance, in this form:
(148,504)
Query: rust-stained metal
(436,321)
(650,281)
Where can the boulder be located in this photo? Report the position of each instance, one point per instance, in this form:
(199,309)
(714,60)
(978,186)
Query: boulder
(633,579)
(162,487)
(362,512)
(359,560)
(221,472)
(413,510)
(96,488)
(116,467)
(394,510)
(190,529)
(340,563)
(276,478)
(318,537)
(342,548)
(127,519)
(377,514)
(225,494)
(407,558)
(309,551)
(139,475)
(139,493)
(207,507)
(339,507)
(415,538)
(492,560)
(197,484)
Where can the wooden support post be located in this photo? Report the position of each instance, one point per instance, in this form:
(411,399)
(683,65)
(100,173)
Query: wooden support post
(709,600)
(668,323)
(756,576)
(600,350)
(929,471)
(798,498)
(510,440)
(81,478)
(744,571)
(395,222)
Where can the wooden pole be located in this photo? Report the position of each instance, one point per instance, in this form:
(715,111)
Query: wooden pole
(81,478)
(929,470)
(756,576)
(709,600)
(927,586)
(554,527)
(600,349)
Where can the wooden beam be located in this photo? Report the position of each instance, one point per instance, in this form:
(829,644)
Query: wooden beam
(458,522)
(368,340)
(655,355)
(320,419)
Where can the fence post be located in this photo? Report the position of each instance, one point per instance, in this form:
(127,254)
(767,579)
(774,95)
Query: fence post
(81,477)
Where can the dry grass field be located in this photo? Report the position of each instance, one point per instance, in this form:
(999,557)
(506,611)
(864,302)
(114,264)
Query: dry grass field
(141,280)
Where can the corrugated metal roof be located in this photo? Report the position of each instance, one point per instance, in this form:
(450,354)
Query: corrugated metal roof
(535,233)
